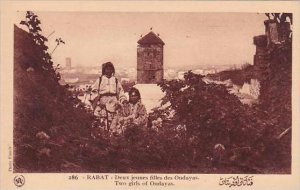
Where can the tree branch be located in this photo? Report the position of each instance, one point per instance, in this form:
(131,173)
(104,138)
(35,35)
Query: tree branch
(283,133)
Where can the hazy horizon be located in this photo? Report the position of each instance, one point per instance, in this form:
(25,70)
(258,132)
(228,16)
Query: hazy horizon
(93,38)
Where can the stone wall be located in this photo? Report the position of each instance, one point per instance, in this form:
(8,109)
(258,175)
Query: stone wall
(149,63)
(275,33)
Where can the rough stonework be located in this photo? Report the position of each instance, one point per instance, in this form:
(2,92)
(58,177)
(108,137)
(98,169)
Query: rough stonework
(271,31)
(275,33)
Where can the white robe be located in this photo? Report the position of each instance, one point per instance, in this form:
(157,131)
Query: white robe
(108,85)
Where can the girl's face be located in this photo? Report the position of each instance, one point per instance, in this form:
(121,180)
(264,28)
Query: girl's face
(108,71)
(134,98)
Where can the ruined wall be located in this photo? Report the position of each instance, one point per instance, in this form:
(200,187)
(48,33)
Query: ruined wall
(271,31)
(275,33)
(150,63)
(262,56)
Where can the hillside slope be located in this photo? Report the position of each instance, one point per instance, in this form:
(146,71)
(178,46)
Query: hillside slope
(46,122)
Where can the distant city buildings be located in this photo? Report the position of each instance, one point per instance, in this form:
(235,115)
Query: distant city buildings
(149,70)
(87,75)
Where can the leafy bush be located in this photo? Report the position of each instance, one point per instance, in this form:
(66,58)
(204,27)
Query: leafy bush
(42,106)
(214,118)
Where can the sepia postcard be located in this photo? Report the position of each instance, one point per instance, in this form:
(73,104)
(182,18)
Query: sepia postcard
(149,95)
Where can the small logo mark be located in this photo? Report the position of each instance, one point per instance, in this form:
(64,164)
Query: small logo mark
(19,180)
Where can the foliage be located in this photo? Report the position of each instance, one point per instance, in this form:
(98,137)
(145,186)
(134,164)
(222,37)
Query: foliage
(210,114)
(204,128)
(42,106)
(212,117)
(58,42)
(45,63)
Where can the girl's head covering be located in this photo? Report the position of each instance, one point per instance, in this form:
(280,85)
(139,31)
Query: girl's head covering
(107,64)
(133,91)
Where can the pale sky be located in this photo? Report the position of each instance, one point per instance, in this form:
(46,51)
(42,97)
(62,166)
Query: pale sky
(93,38)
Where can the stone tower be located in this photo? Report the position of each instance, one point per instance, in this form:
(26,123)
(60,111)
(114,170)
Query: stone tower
(68,63)
(150,59)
